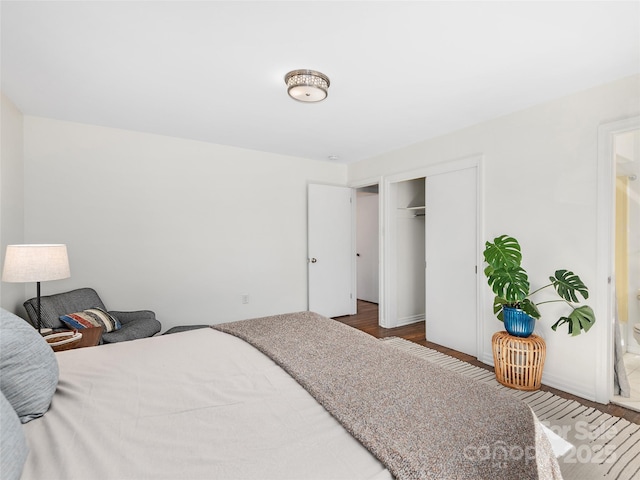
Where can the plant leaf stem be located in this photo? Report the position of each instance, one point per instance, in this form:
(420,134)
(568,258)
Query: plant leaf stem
(541,288)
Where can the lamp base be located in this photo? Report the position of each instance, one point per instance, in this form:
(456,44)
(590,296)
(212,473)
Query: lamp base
(39,310)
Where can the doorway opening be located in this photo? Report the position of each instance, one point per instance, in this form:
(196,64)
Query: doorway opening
(367,239)
(406,235)
(626,232)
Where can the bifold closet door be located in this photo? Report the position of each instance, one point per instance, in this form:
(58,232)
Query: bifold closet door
(331,254)
(451,259)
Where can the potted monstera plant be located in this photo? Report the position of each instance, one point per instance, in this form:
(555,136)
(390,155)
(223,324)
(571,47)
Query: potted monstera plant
(513,303)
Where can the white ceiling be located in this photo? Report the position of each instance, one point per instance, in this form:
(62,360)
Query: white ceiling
(400,72)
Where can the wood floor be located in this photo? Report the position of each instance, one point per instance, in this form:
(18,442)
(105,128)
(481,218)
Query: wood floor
(367,320)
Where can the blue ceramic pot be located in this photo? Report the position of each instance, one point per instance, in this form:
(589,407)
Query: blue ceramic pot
(517,322)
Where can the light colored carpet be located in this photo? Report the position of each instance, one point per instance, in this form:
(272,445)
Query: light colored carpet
(605,447)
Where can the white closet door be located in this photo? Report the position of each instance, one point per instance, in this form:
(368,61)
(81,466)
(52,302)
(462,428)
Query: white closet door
(451,257)
(331,250)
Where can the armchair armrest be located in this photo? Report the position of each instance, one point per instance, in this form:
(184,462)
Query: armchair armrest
(135,325)
(126,317)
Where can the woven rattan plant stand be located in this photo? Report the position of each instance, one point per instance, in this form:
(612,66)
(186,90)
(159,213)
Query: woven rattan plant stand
(518,361)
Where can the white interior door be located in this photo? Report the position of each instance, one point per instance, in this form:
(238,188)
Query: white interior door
(330,250)
(451,259)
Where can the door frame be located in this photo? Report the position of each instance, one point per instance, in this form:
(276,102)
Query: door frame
(387,239)
(369,182)
(605,239)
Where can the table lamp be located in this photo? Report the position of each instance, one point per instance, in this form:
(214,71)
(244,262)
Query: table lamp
(35,263)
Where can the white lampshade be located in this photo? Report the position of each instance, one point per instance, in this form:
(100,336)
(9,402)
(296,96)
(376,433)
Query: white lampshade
(35,263)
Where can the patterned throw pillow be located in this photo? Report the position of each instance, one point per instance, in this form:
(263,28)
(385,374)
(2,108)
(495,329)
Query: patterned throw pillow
(92,317)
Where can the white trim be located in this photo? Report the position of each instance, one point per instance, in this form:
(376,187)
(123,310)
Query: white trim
(436,168)
(388,319)
(487,357)
(354,249)
(409,320)
(605,252)
(550,380)
(480,280)
(387,299)
(567,385)
(368,183)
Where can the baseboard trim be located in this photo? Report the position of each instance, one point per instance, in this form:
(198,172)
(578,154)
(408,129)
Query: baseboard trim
(409,320)
(553,381)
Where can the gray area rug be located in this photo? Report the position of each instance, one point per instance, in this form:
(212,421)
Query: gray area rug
(605,447)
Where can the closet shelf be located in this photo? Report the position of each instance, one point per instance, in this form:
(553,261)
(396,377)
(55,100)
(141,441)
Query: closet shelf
(419,207)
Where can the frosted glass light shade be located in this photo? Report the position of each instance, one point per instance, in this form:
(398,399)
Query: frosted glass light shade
(307,85)
(35,263)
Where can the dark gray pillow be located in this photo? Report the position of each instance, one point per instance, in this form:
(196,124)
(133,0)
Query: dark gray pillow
(13,445)
(28,367)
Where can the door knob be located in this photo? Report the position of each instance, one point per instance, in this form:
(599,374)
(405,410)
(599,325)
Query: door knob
(313,260)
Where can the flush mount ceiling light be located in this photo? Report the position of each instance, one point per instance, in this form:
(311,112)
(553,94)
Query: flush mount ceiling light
(307,85)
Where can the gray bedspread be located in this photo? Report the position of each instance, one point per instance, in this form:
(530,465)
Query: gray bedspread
(420,420)
(196,405)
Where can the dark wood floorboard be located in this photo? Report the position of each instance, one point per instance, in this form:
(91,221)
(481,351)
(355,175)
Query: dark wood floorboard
(367,320)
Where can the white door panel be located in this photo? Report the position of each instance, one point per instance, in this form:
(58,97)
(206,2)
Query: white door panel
(331,254)
(451,257)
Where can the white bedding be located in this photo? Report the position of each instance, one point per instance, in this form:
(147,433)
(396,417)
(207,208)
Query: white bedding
(191,405)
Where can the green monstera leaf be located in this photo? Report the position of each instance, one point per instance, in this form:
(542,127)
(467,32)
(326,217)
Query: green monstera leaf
(511,284)
(530,308)
(503,253)
(582,318)
(527,305)
(498,303)
(568,285)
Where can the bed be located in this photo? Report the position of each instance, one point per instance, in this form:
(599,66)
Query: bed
(294,396)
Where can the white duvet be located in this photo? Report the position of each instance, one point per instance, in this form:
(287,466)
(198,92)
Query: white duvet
(194,405)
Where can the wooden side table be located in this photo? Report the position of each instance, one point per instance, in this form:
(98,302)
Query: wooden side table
(91,337)
(518,361)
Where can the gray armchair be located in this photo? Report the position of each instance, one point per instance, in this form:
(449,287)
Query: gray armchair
(138,324)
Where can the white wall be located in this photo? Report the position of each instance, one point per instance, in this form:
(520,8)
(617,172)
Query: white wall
(11,196)
(540,186)
(177,226)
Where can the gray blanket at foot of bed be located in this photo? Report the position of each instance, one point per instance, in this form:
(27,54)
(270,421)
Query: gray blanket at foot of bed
(420,420)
